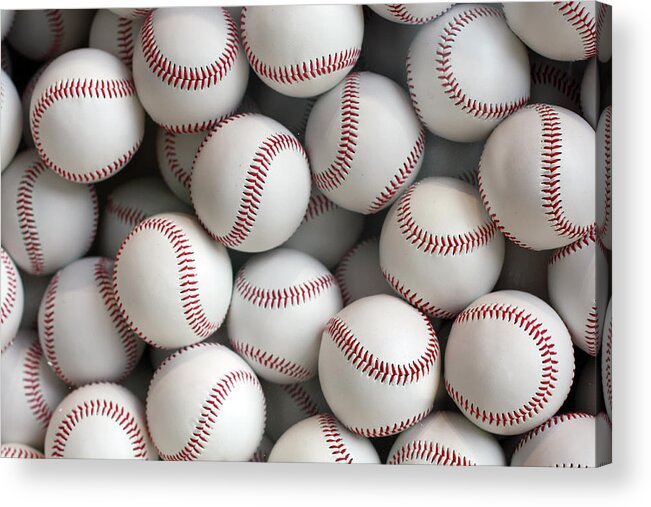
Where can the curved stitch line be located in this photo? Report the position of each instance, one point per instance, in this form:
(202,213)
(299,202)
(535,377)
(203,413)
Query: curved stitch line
(549,364)
(209,415)
(302,71)
(403,174)
(180,173)
(32,385)
(548,75)
(75,89)
(48,329)
(10,282)
(605,226)
(56,26)
(20,453)
(271,361)
(105,408)
(401,12)
(126,214)
(432,452)
(333,439)
(391,429)
(591,331)
(565,251)
(415,299)
(317,206)
(342,270)
(377,369)
(129,341)
(189,78)
(193,311)
(26,218)
(301,398)
(557,419)
(337,172)
(608,374)
(583,22)
(124,40)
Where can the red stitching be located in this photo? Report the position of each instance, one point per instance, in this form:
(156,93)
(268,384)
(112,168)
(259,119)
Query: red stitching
(576,246)
(302,399)
(271,361)
(342,271)
(193,128)
(318,205)
(337,171)
(188,277)
(48,329)
(608,374)
(591,330)
(105,286)
(180,173)
(446,74)
(189,78)
(10,282)
(534,328)
(302,71)
(415,299)
(393,428)
(432,452)
(404,172)
(584,23)
(55,23)
(104,408)
(377,369)
(9,451)
(126,214)
(141,12)
(604,227)
(26,219)
(209,415)
(333,439)
(125,40)
(401,12)
(548,424)
(82,88)
(32,385)
(545,74)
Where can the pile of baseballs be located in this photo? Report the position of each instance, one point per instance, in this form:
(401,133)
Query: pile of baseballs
(327,233)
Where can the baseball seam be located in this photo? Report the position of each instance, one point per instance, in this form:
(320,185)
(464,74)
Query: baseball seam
(273,362)
(333,439)
(54,19)
(401,12)
(10,282)
(124,40)
(544,74)
(32,388)
(605,226)
(553,421)
(104,408)
(182,174)
(608,351)
(583,22)
(20,453)
(414,298)
(75,89)
(342,271)
(317,206)
(391,429)
(47,330)
(549,364)
(432,452)
(301,398)
(26,218)
(129,215)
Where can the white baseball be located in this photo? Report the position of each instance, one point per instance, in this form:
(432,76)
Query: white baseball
(450,158)
(604,178)
(11,120)
(322,439)
(365,142)
(590,92)
(45,34)
(458,95)
(292,112)
(509,362)
(573,440)
(250,183)
(524,270)
(157,356)
(132,13)
(327,231)
(578,290)
(96,89)
(379,366)
(12,300)
(33,287)
(175,154)
(411,14)
(607,361)
(563,31)
(205,403)
(281,302)
(536,177)
(82,333)
(26,102)
(446,438)
(114,34)
(554,83)
(47,222)
(302,50)
(6,21)
(20,451)
(30,391)
(439,250)
(99,421)
(288,404)
(359,274)
(128,205)
(189,68)
(169,267)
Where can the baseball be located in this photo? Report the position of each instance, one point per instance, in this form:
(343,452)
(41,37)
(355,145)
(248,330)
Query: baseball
(509,362)
(558,30)
(222,400)
(302,50)
(327,231)
(250,183)
(26,102)
(553,83)
(451,159)
(578,290)
(131,13)
(99,421)
(188,83)
(573,440)
(168,266)
(12,300)
(536,177)
(83,335)
(322,439)
(379,366)
(97,90)
(378,134)
(114,34)
(47,222)
(439,250)
(20,451)
(175,155)
(11,120)
(157,356)
(456,94)
(261,454)
(446,438)
(281,302)
(607,361)
(128,205)
(30,391)
(411,14)
(604,178)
